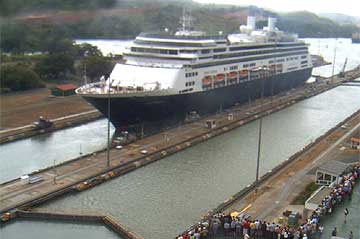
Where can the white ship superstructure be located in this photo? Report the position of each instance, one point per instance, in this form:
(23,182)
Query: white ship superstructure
(188,66)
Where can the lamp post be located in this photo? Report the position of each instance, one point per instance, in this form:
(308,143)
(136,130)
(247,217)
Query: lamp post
(108,125)
(86,53)
(265,70)
(54,181)
(333,66)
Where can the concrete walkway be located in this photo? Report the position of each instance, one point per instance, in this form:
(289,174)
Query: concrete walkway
(337,218)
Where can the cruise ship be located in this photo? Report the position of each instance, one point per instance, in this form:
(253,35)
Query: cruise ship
(167,75)
(355,37)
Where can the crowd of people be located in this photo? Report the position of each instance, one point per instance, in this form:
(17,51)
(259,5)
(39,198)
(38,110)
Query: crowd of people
(242,226)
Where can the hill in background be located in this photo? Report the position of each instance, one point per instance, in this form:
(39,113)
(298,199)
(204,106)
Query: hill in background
(26,24)
(341,18)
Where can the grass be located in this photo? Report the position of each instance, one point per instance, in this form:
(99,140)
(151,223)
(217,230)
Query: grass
(305,194)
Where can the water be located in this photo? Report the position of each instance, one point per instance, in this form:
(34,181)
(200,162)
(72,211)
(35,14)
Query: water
(326,48)
(162,199)
(55,230)
(24,156)
(114,47)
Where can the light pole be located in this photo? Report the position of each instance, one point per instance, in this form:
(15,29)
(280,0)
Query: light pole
(333,66)
(54,182)
(80,152)
(260,126)
(85,77)
(108,126)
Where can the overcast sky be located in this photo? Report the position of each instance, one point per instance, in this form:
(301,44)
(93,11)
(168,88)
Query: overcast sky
(348,7)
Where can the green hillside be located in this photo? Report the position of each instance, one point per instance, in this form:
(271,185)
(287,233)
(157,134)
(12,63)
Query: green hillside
(34,29)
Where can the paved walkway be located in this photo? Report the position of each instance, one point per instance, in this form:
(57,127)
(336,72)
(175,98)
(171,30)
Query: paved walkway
(337,218)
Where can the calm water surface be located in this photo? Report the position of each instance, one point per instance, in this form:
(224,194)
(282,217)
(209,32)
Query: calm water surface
(24,156)
(326,48)
(32,229)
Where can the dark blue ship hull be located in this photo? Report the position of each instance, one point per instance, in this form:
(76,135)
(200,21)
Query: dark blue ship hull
(151,114)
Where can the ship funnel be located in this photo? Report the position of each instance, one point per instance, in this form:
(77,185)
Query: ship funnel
(271,23)
(251,22)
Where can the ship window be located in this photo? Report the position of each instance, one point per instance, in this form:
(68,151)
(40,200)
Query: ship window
(188,51)
(191,74)
(235,61)
(271,62)
(281,60)
(219,49)
(207,51)
(292,68)
(173,52)
(190,83)
(303,57)
(246,65)
(233,67)
(304,62)
(253,64)
(163,51)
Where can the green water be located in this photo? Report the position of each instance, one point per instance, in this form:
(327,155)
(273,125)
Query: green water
(34,229)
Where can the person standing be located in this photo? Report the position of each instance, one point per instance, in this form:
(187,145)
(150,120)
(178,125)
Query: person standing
(334,232)
(346,212)
(351,235)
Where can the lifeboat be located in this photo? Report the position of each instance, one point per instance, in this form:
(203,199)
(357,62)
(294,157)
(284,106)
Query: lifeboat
(232,75)
(207,80)
(219,77)
(243,73)
(272,67)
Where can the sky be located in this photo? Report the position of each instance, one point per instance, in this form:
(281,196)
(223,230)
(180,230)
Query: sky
(347,7)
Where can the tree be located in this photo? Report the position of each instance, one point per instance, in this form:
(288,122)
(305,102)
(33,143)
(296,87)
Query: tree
(12,37)
(55,66)
(86,49)
(17,77)
(96,66)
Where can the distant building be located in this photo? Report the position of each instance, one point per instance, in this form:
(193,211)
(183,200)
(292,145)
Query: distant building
(330,172)
(355,143)
(64,90)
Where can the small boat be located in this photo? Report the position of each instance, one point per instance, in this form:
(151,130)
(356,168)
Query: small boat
(243,73)
(232,75)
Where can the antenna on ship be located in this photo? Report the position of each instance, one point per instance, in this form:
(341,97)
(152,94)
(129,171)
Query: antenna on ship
(186,20)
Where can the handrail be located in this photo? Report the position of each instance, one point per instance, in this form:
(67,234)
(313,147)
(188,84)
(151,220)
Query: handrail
(168,36)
